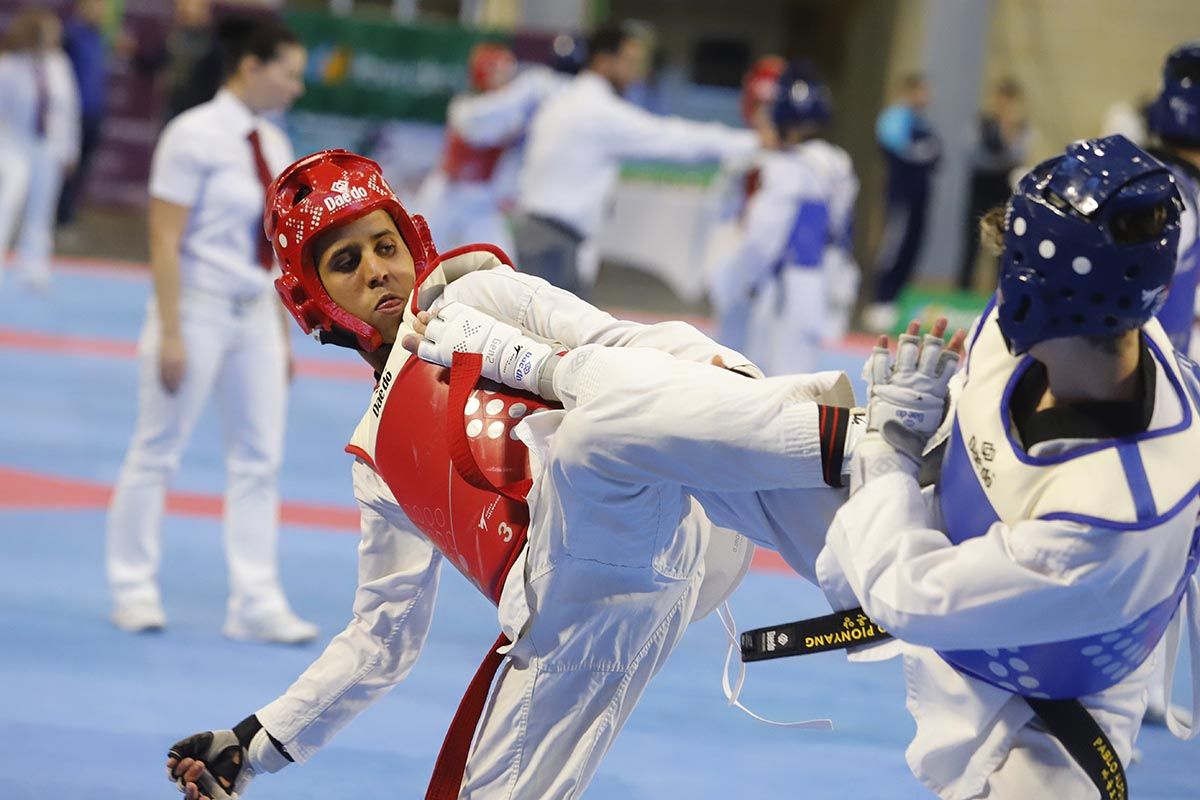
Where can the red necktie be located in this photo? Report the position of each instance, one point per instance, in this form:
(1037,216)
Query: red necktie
(265,256)
(43,96)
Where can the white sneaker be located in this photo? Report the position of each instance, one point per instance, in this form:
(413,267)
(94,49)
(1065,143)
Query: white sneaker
(279,627)
(139,617)
(880,317)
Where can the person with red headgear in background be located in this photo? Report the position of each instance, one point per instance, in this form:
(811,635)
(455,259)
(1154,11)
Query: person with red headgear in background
(596,556)
(758,94)
(463,196)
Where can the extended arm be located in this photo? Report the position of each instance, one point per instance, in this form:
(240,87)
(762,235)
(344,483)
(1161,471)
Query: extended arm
(397,584)
(494,118)
(393,607)
(1034,581)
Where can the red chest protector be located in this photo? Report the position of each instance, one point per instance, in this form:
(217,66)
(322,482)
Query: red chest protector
(465,162)
(443,442)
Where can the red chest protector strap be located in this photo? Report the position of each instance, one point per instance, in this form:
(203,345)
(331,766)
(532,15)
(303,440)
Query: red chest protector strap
(451,764)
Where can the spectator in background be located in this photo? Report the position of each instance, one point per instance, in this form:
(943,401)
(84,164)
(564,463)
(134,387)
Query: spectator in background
(1001,147)
(913,150)
(577,141)
(84,43)
(1128,118)
(188,60)
(39,137)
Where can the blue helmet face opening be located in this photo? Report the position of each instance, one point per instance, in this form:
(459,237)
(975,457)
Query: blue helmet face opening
(1089,244)
(1175,113)
(803,98)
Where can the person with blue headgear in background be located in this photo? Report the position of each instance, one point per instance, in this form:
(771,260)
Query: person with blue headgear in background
(1174,119)
(1029,585)
(793,264)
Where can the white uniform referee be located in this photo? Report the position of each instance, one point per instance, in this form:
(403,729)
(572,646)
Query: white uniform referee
(214,325)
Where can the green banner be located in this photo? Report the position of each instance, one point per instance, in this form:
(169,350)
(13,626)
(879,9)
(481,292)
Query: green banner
(380,69)
(959,308)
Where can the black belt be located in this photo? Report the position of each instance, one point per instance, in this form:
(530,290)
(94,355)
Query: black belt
(1066,720)
(558,225)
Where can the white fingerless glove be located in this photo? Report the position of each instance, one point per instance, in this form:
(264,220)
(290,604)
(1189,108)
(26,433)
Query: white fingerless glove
(906,401)
(509,356)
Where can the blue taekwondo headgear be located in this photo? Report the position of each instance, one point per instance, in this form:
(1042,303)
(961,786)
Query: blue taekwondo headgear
(568,53)
(1175,113)
(1089,244)
(802,97)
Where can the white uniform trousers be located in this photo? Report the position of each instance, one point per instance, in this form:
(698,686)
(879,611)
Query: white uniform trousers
(462,212)
(30,180)
(236,351)
(612,575)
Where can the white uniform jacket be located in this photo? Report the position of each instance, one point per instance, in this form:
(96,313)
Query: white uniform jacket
(1030,582)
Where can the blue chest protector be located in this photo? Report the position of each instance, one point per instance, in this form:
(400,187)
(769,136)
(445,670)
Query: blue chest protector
(1178,312)
(988,477)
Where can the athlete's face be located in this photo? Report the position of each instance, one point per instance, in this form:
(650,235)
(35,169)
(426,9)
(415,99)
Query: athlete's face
(368,271)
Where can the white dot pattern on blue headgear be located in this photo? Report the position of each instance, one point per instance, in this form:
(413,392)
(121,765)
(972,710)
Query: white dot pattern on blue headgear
(1046,248)
(1081,264)
(1018,226)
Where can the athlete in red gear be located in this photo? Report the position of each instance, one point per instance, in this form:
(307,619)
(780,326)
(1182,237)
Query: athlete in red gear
(595,581)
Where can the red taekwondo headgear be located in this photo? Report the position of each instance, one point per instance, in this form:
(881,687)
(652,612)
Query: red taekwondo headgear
(490,66)
(319,192)
(761,84)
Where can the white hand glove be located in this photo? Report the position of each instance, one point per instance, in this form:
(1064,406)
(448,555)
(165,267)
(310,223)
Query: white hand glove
(509,356)
(906,401)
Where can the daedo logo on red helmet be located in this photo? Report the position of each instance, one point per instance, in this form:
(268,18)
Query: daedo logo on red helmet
(346,194)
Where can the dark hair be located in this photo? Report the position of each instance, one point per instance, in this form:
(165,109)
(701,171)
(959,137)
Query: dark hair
(607,40)
(261,37)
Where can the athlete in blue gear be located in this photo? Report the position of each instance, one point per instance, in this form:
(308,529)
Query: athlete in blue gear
(1175,122)
(1059,541)
(792,265)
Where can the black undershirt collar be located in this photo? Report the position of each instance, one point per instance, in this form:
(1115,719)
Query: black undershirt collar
(1099,420)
